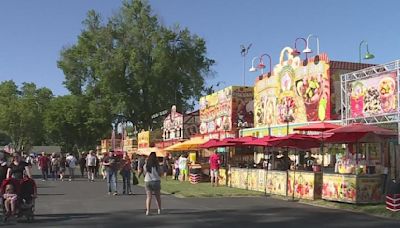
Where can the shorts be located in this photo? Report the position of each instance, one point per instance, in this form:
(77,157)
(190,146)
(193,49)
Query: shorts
(214,173)
(184,171)
(152,186)
(92,169)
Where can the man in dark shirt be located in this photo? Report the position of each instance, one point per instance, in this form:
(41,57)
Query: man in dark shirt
(111,166)
(44,165)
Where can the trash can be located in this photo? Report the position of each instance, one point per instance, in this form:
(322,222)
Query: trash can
(393,196)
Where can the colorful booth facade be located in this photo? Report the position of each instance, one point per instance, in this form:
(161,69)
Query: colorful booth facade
(222,112)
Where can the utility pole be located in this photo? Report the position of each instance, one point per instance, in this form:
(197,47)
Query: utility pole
(244,51)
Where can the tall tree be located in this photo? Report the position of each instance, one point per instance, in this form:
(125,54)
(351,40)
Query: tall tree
(73,122)
(136,65)
(21,112)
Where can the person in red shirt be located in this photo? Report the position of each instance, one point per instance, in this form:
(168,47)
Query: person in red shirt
(43,163)
(214,168)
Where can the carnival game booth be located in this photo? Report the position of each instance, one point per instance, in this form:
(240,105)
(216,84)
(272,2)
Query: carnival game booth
(360,169)
(192,147)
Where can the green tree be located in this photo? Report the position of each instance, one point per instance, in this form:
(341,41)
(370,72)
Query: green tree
(72,121)
(135,65)
(21,113)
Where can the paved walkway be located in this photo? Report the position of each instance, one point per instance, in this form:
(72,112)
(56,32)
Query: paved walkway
(84,204)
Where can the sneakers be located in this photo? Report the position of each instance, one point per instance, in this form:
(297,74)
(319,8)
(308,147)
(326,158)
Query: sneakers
(115,193)
(147,213)
(159,211)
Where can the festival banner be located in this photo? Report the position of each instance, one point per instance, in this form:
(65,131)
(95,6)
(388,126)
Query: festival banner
(374,96)
(339,187)
(295,91)
(223,110)
(144,139)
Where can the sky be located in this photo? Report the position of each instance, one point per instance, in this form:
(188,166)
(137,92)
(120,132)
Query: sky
(34,32)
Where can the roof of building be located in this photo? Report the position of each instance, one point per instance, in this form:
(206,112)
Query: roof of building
(349,65)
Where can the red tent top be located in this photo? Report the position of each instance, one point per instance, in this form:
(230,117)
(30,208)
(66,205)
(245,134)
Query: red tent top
(213,143)
(322,126)
(209,143)
(364,128)
(356,132)
(298,141)
(240,140)
(264,141)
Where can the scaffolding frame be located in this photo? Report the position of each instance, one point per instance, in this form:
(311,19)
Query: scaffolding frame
(370,72)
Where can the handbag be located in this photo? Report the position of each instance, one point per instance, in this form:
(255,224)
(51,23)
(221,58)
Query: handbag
(135,181)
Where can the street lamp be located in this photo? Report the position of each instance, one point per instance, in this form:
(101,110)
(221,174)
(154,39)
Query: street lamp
(308,50)
(296,52)
(368,55)
(261,64)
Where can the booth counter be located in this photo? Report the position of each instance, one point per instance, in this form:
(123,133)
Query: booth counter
(307,184)
(352,188)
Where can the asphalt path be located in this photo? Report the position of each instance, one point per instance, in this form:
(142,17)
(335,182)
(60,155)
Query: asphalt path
(81,203)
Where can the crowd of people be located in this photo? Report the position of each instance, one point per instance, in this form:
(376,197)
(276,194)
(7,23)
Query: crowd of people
(107,167)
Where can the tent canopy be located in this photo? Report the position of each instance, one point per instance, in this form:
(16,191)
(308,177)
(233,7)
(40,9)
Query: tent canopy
(322,126)
(298,141)
(264,141)
(191,144)
(358,132)
(147,151)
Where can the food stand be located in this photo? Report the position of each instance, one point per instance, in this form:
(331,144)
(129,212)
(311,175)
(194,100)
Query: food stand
(220,115)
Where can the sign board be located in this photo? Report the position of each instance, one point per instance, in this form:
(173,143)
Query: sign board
(294,90)
(373,96)
(222,111)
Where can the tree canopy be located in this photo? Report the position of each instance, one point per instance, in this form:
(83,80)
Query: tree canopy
(135,64)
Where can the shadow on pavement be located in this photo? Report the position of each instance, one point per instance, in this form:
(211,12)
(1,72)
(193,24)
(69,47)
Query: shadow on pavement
(255,217)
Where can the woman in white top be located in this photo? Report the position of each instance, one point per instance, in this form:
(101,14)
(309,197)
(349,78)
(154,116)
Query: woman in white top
(152,181)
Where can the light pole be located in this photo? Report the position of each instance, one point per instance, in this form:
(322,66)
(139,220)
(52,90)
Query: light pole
(261,64)
(368,55)
(296,52)
(244,51)
(308,50)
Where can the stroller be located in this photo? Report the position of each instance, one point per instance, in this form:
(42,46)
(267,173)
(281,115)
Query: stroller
(26,191)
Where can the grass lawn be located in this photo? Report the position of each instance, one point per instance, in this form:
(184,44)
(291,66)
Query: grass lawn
(377,209)
(186,189)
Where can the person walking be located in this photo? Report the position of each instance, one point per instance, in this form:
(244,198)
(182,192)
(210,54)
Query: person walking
(55,166)
(152,180)
(17,168)
(214,168)
(97,168)
(71,164)
(166,166)
(176,167)
(141,163)
(63,166)
(43,163)
(183,167)
(3,166)
(126,171)
(110,164)
(82,164)
(91,162)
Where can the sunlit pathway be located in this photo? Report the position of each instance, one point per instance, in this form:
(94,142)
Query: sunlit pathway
(84,204)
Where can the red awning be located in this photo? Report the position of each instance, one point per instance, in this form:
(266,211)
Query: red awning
(210,143)
(298,141)
(356,132)
(322,126)
(264,141)
(240,140)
